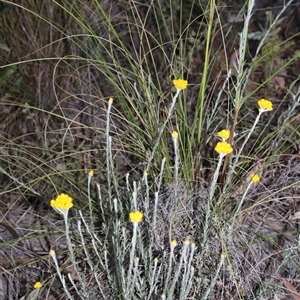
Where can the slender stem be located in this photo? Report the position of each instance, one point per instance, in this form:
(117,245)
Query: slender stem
(205,68)
(161,131)
(133,243)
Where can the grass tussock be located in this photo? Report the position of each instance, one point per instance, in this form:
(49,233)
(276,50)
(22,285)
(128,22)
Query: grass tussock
(166,134)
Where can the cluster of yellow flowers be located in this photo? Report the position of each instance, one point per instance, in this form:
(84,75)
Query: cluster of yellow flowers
(174,134)
(265,105)
(223,148)
(38,285)
(224,134)
(136,216)
(255,178)
(63,202)
(180,84)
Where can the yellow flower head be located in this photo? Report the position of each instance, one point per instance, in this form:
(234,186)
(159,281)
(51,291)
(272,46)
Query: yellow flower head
(224,134)
(173,243)
(255,178)
(265,105)
(62,203)
(174,134)
(136,216)
(187,242)
(223,148)
(110,100)
(180,84)
(91,173)
(37,285)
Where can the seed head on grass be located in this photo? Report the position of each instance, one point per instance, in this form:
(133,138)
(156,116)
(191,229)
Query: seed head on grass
(180,84)
(136,216)
(265,105)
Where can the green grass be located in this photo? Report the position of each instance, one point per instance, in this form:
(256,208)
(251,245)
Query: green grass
(61,64)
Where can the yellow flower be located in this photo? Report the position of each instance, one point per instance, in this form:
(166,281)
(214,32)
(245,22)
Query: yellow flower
(180,84)
(91,173)
(63,202)
(187,242)
(173,244)
(136,216)
(265,105)
(223,148)
(110,100)
(174,134)
(224,134)
(37,285)
(255,177)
